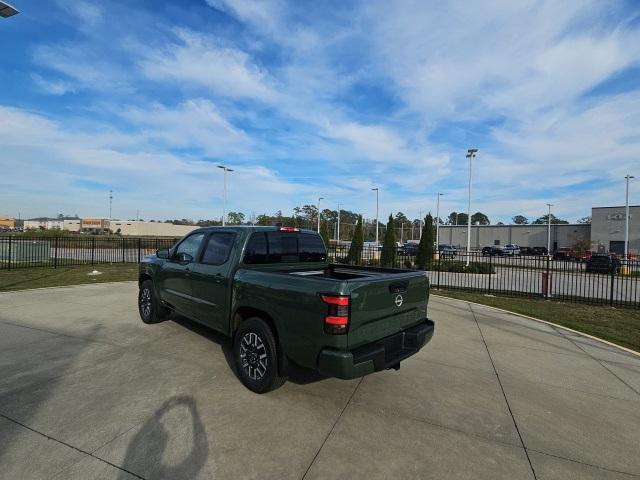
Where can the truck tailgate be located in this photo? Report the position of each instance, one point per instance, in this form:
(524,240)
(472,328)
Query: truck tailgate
(382,307)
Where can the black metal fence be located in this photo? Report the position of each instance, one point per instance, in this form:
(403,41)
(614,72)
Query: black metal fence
(520,275)
(528,276)
(31,251)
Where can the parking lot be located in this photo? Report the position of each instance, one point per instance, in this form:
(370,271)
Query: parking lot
(88,391)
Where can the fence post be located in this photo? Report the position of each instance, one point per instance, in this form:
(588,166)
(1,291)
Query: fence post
(139,247)
(55,252)
(612,279)
(490,273)
(123,250)
(438,267)
(93,248)
(9,267)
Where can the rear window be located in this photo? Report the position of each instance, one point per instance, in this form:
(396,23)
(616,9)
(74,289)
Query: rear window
(284,247)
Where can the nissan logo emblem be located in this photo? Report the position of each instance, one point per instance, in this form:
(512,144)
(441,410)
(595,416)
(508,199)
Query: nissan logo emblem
(399,300)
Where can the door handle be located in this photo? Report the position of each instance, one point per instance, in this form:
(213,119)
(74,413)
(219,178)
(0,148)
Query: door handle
(187,272)
(218,278)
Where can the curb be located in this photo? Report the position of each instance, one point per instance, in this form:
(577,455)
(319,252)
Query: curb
(606,342)
(63,286)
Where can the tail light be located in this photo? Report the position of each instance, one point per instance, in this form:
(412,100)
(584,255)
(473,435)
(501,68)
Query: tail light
(336,322)
(289,229)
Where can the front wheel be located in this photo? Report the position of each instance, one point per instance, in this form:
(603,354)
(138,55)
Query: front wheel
(256,356)
(149,305)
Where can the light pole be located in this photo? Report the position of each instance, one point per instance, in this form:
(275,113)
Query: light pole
(7,10)
(110,202)
(338,229)
(471,153)
(549,229)
(438,221)
(224,198)
(626,219)
(420,222)
(319,198)
(401,231)
(376,190)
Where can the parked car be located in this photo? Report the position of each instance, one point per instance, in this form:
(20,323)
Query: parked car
(600,263)
(410,248)
(563,254)
(511,249)
(492,251)
(447,251)
(272,290)
(539,251)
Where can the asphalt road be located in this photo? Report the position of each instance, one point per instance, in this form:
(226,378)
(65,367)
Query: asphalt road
(88,391)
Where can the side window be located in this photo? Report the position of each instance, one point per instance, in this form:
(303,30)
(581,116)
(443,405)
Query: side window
(218,248)
(312,248)
(256,250)
(190,245)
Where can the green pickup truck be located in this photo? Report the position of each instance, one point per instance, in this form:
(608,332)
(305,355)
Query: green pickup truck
(273,291)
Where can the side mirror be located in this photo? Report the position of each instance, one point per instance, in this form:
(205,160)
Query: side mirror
(164,253)
(183,258)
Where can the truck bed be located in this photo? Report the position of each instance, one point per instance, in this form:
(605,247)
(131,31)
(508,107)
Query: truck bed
(349,272)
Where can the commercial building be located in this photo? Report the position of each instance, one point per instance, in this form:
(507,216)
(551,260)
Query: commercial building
(605,233)
(7,222)
(43,224)
(148,229)
(607,229)
(524,235)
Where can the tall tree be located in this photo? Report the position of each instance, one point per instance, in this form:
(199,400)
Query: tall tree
(324,232)
(424,257)
(235,218)
(357,244)
(480,218)
(264,219)
(457,218)
(520,220)
(554,220)
(585,220)
(389,247)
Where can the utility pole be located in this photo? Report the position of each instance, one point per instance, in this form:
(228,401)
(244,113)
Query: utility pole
(420,222)
(319,198)
(401,230)
(438,221)
(549,229)
(471,153)
(377,191)
(626,219)
(338,232)
(224,200)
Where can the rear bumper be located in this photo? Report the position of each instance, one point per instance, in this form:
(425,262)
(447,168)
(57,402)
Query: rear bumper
(373,357)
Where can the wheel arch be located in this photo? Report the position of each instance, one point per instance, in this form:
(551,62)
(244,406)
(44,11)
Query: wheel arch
(243,313)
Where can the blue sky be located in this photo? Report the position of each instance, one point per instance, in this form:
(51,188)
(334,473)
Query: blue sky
(308,99)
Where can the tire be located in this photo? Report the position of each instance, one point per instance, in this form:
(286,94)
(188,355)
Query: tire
(149,306)
(256,356)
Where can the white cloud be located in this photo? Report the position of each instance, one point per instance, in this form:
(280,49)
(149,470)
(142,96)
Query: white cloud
(199,59)
(53,87)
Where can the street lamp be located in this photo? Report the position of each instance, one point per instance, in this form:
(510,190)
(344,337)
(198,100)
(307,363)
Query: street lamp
(471,153)
(549,229)
(224,198)
(626,219)
(376,190)
(420,223)
(7,10)
(338,229)
(438,221)
(319,198)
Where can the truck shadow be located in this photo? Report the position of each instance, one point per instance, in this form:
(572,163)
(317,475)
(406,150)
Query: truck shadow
(297,374)
(147,451)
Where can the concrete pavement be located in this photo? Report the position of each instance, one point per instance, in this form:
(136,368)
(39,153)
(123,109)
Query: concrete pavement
(88,391)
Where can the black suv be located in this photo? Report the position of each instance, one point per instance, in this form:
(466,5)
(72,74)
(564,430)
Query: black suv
(603,264)
(493,251)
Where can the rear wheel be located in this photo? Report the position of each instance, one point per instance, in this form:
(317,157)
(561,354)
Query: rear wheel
(256,356)
(149,307)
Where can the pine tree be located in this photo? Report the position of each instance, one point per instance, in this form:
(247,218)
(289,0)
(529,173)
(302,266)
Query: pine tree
(424,257)
(357,244)
(389,247)
(324,233)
